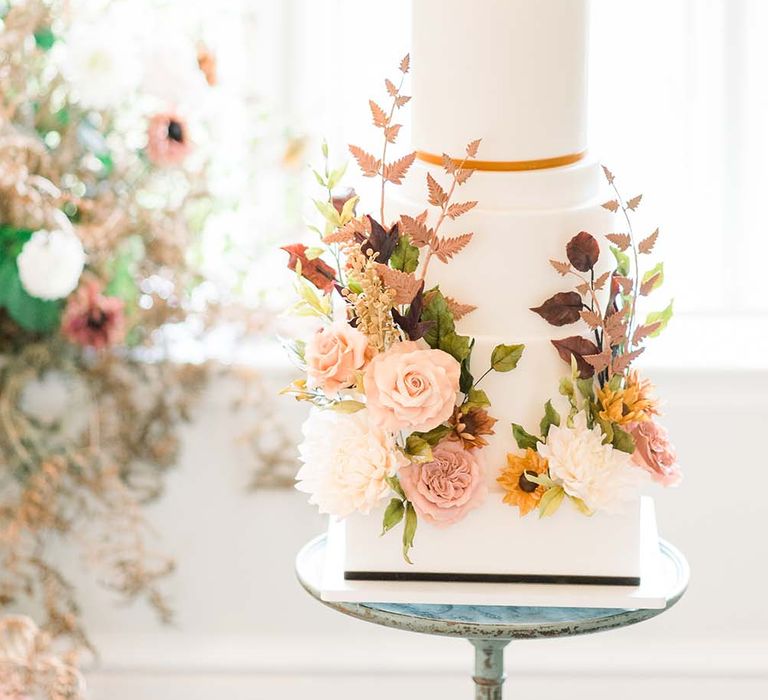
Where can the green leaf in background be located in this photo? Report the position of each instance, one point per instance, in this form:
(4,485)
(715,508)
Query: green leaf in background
(409,531)
(32,314)
(45,38)
(392,515)
(504,358)
(663,317)
(122,272)
(551,417)
(12,240)
(523,438)
(622,261)
(405,257)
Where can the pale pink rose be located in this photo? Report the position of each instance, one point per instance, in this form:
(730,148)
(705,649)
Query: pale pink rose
(333,355)
(654,453)
(411,387)
(444,490)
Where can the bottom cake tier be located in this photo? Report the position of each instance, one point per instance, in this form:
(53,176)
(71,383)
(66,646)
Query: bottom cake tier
(494,545)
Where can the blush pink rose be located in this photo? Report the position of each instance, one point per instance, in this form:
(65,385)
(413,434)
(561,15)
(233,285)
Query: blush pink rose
(411,387)
(654,453)
(444,490)
(333,355)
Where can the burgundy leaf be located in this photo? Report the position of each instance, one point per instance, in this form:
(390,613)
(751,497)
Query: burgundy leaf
(561,309)
(381,241)
(577,347)
(410,322)
(583,251)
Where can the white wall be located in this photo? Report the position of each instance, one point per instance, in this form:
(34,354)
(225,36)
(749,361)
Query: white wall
(245,629)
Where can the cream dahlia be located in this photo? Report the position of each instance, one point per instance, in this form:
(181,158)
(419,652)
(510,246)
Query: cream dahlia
(598,474)
(345,462)
(50,264)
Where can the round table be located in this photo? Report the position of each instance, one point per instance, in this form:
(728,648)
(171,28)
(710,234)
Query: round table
(491,628)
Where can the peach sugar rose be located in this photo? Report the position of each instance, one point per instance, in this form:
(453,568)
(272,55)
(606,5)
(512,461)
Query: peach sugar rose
(444,490)
(334,354)
(411,387)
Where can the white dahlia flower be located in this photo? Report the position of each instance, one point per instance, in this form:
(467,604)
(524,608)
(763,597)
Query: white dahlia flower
(598,474)
(345,461)
(50,264)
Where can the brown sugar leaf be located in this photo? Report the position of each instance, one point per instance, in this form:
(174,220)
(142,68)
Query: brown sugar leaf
(599,361)
(646,245)
(647,287)
(404,284)
(395,172)
(472,147)
(391,87)
(405,64)
(620,240)
(457,309)
(448,164)
(642,332)
(416,229)
(463,174)
(380,118)
(600,281)
(402,100)
(634,203)
(622,362)
(446,248)
(370,165)
(561,309)
(577,347)
(583,251)
(562,267)
(391,132)
(611,205)
(591,318)
(437,195)
(608,175)
(458,209)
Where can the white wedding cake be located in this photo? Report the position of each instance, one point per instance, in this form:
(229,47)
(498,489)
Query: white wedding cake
(420,420)
(514,73)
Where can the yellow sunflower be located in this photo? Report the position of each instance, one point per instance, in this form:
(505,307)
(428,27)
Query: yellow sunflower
(633,403)
(519,491)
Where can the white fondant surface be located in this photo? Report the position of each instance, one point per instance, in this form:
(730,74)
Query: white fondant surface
(649,594)
(512,72)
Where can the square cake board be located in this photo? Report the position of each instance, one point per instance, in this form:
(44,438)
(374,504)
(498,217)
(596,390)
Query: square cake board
(650,594)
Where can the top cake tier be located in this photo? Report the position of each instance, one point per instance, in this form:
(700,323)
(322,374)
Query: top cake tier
(512,72)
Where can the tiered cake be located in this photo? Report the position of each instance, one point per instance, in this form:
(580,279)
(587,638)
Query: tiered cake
(420,423)
(514,73)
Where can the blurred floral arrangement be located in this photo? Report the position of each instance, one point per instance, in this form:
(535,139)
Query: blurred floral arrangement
(101,199)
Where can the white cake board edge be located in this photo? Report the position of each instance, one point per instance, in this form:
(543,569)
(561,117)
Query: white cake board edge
(648,595)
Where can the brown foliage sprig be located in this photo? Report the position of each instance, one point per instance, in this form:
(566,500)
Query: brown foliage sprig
(612,318)
(422,236)
(371,166)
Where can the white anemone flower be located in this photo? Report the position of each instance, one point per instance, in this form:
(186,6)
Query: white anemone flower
(50,264)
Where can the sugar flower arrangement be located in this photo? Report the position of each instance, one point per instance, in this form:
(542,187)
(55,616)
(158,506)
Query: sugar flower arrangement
(397,413)
(610,435)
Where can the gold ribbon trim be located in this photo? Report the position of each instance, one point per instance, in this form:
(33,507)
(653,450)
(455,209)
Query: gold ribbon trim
(506,165)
